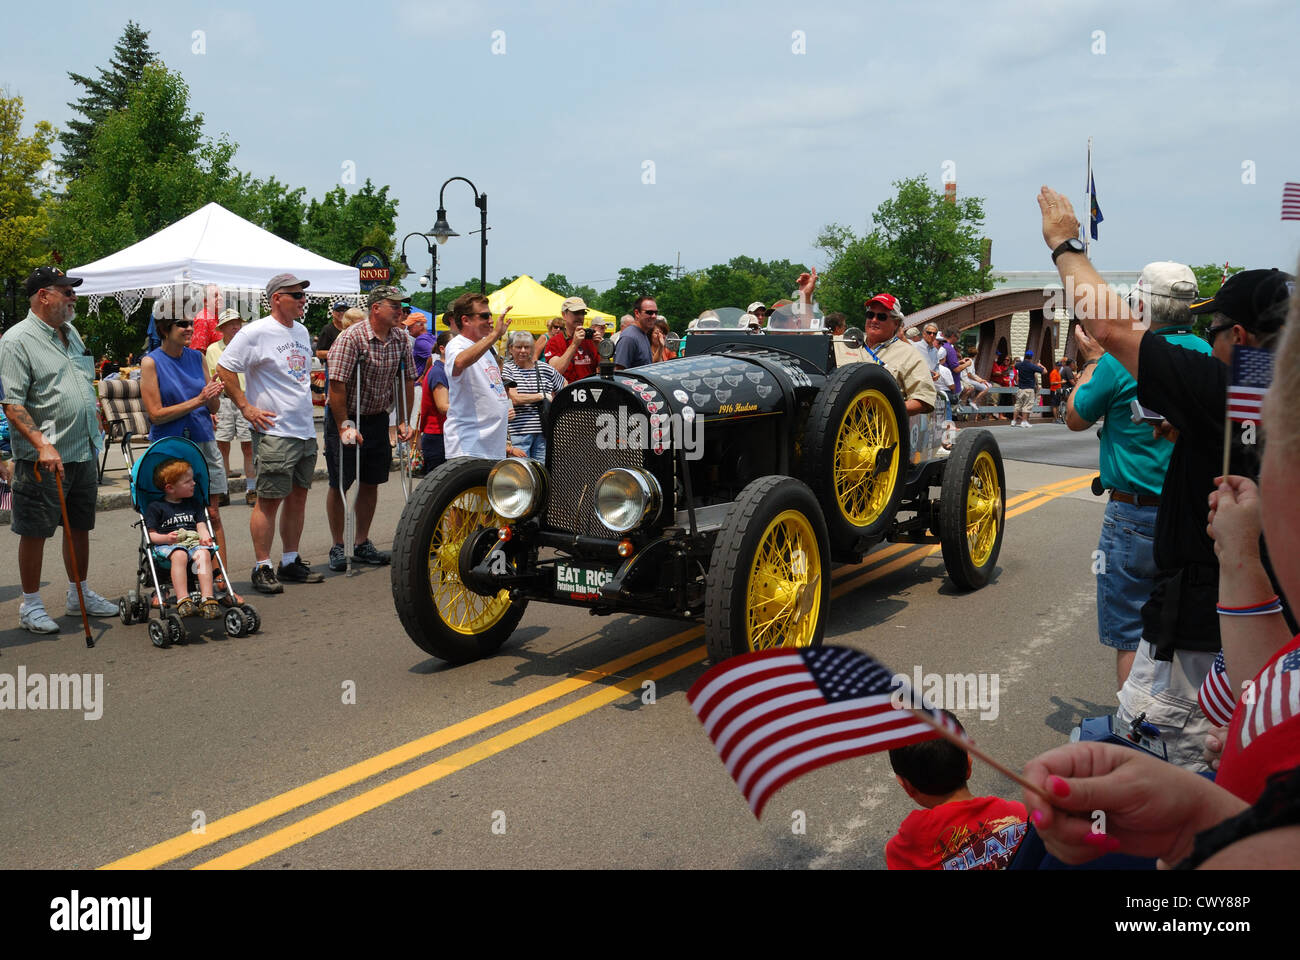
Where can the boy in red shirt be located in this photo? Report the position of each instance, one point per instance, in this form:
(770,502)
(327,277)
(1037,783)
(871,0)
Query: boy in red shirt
(953,830)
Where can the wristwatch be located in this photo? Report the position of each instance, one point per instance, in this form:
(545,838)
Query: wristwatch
(1073,245)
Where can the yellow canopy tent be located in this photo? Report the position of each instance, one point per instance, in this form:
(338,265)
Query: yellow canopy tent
(533,305)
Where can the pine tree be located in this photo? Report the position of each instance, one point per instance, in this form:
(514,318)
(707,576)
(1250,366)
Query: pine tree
(103,95)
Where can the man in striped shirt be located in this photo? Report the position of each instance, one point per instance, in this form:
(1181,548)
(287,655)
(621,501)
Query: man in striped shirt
(49,399)
(386,347)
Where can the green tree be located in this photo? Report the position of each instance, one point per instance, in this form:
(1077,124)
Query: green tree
(103,95)
(923,249)
(1209,277)
(25,200)
(149,165)
(339,223)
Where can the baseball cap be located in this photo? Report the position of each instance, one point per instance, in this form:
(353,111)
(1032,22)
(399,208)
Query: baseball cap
(230,313)
(340,305)
(573,305)
(598,322)
(1251,298)
(385,292)
(757,304)
(415,317)
(1029,353)
(282,280)
(1165,278)
(43,277)
(888,301)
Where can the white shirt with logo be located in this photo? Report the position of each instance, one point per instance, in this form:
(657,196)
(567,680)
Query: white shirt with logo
(477,405)
(276,363)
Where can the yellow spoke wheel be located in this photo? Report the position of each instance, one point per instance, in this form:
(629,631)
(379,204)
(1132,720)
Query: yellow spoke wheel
(972,509)
(462,609)
(867,430)
(784,598)
(854,454)
(768,583)
(443,616)
(983,509)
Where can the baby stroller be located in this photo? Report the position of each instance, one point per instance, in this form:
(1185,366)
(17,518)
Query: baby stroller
(240,619)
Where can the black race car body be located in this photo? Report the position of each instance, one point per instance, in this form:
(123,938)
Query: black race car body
(717,487)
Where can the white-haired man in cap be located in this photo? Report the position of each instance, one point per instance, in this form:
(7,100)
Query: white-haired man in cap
(1133,460)
(230,423)
(50,402)
(274,355)
(1180,621)
(571,352)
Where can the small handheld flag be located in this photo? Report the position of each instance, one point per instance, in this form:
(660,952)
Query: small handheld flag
(1215,696)
(775,715)
(1291,201)
(1252,372)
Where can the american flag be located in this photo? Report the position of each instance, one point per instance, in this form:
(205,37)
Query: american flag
(775,715)
(1224,279)
(1291,201)
(1276,699)
(1252,372)
(1216,697)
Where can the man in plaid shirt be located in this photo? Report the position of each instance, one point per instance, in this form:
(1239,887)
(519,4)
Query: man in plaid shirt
(387,349)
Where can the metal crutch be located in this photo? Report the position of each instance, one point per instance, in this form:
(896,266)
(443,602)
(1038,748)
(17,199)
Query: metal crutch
(350,508)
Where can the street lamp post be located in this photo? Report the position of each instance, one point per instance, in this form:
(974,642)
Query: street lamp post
(442,230)
(433,273)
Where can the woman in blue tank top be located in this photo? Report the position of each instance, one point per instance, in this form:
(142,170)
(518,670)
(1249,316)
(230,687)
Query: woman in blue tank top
(181,397)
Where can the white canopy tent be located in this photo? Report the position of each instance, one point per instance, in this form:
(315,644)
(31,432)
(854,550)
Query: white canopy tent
(210,246)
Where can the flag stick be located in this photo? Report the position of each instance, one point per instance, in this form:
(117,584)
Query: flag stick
(1087,186)
(970,747)
(1227,439)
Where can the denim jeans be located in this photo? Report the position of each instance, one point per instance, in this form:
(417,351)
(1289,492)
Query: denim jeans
(1127,548)
(532,444)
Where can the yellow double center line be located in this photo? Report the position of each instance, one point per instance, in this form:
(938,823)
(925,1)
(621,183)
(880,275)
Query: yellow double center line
(345,810)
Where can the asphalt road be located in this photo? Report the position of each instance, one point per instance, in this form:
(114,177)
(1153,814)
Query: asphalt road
(247,752)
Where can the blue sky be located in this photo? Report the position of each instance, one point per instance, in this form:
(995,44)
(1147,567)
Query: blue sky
(755,146)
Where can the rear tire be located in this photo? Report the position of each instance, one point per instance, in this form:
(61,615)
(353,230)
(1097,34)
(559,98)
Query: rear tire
(769,577)
(972,509)
(441,615)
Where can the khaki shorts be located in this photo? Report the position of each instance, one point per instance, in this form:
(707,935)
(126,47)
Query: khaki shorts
(231,424)
(1025,400)
(283,463)
(1165,690)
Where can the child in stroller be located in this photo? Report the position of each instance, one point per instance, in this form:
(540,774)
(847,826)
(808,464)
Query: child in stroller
(178,536)
(169,488)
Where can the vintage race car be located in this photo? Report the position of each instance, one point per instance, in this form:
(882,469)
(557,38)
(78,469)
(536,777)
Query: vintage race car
(718,487)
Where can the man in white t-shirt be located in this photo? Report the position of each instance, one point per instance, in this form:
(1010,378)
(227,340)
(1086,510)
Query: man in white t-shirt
(274,355)
(477,404)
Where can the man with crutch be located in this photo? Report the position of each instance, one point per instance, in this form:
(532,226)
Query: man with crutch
(386,347)
(51,405)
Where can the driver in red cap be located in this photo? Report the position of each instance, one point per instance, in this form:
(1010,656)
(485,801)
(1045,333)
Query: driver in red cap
(883,323)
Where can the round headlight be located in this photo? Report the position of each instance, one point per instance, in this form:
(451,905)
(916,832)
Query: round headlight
(516,488)
(627,498)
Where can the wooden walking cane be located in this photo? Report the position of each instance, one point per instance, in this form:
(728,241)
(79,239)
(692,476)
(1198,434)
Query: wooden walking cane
(72,551)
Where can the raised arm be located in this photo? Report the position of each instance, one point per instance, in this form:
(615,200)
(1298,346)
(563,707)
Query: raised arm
(1105,314)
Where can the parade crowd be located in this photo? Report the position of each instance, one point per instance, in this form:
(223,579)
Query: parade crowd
(1197,561)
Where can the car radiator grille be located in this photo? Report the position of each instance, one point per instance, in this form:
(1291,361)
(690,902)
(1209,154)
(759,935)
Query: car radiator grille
(575,463)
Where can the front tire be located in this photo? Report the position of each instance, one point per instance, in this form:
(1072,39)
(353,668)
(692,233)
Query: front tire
(972,509)
(440,614)
(769,577)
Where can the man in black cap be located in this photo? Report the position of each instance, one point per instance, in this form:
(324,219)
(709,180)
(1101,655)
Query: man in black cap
(49,399)
(1180,632)
(274,354)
